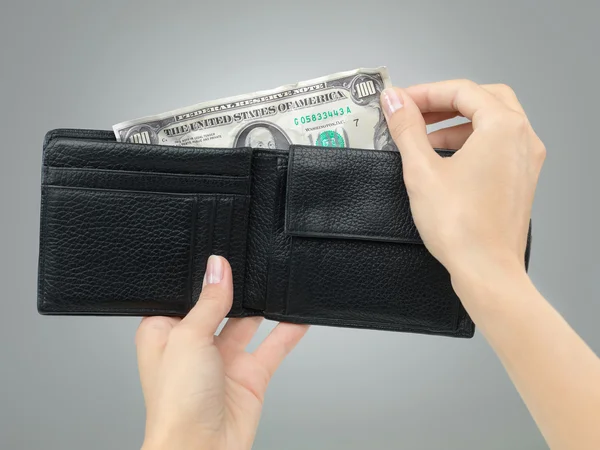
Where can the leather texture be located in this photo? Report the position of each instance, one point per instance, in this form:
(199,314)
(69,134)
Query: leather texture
(314,235)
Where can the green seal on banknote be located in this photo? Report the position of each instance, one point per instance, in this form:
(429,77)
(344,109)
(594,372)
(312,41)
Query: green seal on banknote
(330,138)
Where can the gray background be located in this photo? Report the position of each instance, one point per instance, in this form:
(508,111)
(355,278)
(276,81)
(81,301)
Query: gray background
(71,383)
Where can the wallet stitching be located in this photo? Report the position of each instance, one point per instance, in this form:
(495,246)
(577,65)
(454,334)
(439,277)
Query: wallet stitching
(270,154)
(317,149)
(41,284)
(243,151)
(227,249)
(211,182)
(280,166)
(44,217)
(213,214)
(272,235)
(192,253)
(150,193)
(112,311)
(289,276)
(370,237)
(77,133)
(242,254)
(364,323)
(147,172)
(229,226)
(288,195)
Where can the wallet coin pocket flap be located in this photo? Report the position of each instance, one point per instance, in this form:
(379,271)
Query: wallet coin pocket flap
(348,194)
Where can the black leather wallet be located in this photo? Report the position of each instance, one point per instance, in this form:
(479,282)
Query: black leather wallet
(314,235)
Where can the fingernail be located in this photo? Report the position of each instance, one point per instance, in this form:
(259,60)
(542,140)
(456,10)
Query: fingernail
(391,101)
(214,270)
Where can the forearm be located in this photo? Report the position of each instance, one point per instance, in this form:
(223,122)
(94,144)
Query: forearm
(556,373)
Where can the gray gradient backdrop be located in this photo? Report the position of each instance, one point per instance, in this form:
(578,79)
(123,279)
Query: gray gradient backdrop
(71,383)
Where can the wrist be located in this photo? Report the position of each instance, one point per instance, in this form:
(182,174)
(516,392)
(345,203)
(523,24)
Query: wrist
(486,286)
(178,443)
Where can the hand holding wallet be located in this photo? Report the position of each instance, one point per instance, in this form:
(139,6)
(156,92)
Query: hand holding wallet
(314,235)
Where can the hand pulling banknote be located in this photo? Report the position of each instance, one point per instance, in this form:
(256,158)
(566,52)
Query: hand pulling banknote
(339,110)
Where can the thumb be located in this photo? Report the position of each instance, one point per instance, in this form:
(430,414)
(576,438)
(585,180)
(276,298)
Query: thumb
(215,299)
(407,127)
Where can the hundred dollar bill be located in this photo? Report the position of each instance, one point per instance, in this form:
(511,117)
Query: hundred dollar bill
(339,110)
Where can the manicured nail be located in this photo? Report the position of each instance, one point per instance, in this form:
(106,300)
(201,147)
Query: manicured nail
(391,101)
(214,270)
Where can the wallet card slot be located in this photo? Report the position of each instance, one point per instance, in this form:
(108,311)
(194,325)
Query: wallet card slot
(146,181)
(94,154)
(203,238)
(262,217)
(79,133)
(280,248)
(221,229)
(114,252)
(117,252)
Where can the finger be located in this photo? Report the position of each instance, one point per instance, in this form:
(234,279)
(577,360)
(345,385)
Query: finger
(407,127)
(237,334)
(451,137)
(215,300)
(278,344)
(463,96)
(506,95)
(150,341)
(501,91)
(435,117)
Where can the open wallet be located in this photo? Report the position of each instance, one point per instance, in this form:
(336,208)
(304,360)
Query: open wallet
(314,235)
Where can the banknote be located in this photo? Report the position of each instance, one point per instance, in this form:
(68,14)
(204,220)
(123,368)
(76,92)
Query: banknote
(338,110)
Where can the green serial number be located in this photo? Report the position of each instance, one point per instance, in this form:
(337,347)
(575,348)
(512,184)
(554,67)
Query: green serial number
(321,115)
